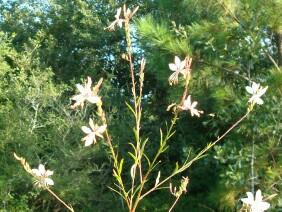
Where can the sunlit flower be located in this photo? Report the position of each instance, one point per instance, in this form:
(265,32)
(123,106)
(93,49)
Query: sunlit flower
(127,12)
(257,91)
(118,21)
(256,204)
(92,132)
(188,105)
(42,176)
(85,94)
(177,67)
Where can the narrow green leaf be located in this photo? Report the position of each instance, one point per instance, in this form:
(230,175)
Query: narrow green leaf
(115,174)
(117,177)
(143,145)
(133,156)
(120,166)
(117,192)
(176,168)
(133,147)
(165,148)
(136,134)
(130,108)
(148,160)
(155,165)
(137,189)
(171,134)
(161,139)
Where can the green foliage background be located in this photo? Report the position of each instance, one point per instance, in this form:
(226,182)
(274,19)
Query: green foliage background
(46,47)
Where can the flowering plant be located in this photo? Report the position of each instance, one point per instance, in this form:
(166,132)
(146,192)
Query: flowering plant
(42,176)
(143,167)
(256,204)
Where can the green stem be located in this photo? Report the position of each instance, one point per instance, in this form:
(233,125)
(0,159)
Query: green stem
(188,164)
(136,108)
(152,165)
(114,155)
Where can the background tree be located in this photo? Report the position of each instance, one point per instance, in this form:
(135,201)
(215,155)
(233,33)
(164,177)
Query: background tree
(45,47)
(232,43)
(48,46)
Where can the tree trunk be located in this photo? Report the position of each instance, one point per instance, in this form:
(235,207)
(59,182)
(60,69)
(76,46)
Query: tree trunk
(279,44)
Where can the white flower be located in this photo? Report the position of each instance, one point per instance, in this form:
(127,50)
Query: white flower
(85,94)
(177,67)
(187,105)
(92,132)
(257,205)
(42,175)
(127,12)
(117,21)
(257,91)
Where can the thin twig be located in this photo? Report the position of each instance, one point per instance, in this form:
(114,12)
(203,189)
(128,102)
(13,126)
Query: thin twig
(186,165)
(174,203)
(51,192)
(243,27)
(225,69)
(252,166)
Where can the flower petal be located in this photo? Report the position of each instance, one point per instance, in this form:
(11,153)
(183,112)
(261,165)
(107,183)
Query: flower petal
(91,123)
(78,98)
(262,91)
(258,196)
(189,99)
(118,13)
(48,173)
(250,195)
(186,104)
(177,61)
(86,130)
(99,135)
(36,172)
(48,181)
(182,65)
(195,112)
(89,83)
(41,168)
(262,206)
(80,88)
(88,141)
(94,99)
(249,200)
(249,90)
(172,67)
(102,128)
(255,87)
(173,79)
(194,104)
(258,100)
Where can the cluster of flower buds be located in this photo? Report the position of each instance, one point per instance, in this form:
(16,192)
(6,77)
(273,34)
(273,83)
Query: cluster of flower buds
(182,188)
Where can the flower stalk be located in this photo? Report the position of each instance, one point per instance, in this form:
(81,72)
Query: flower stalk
(42,179)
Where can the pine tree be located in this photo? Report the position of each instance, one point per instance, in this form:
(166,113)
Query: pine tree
(232,43)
